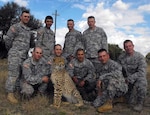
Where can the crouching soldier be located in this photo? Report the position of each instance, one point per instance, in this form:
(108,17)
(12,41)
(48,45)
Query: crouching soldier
(82,72)
(110,80)
(35,74)
(134,66)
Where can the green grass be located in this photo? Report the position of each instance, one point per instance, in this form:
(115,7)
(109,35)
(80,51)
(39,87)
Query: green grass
(41,105)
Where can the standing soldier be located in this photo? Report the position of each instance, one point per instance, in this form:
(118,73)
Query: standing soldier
(134,66)
(18,43)
(46,38)
(94,38)
(72,41)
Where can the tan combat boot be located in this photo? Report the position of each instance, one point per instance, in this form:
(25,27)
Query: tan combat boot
(107,107)
(12,98)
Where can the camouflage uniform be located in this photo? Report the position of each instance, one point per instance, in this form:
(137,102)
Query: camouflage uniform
(134,70)
(113,82)
(32,76)
(46,40)
(83,71)
(18,43)
(93,40)
(72,43)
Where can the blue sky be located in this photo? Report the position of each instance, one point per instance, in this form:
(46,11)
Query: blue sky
(121,19)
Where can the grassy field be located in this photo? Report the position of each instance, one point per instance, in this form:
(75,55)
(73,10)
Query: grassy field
(41,105)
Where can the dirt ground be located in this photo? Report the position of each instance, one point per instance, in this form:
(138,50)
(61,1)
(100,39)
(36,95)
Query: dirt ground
(41,105)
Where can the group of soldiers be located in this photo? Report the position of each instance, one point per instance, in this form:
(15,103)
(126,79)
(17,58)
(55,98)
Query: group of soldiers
(99,79)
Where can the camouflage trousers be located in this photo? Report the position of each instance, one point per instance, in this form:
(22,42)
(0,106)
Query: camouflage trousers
(137,92)
(28,89)
(88,92)
(14,72)
(109,91)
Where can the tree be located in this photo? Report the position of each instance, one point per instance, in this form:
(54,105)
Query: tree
(34,23)
(10,14)
(114,51)
(7,13)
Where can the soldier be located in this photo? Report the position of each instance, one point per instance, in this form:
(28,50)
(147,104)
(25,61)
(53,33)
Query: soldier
(134,66)
(94,38)
(35,74)
(111,82)
(58,51)
(46,38)
(72,41)
(18,43)
(82,72)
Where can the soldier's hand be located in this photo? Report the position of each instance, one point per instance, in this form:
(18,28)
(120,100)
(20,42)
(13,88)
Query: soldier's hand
(75,79)
(81,84)
(49,62)
(45,79)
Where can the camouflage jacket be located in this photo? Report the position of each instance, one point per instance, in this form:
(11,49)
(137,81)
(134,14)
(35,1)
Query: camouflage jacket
(17,40)
(46,40)
(134,66)
(111,71)
(93,40)
(82,70)
(32,72)
(72,43)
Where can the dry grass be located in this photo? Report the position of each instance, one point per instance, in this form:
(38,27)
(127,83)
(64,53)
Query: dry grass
(40,105)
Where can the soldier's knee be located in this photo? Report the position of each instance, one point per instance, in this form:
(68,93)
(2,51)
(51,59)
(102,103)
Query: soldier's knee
(27,90)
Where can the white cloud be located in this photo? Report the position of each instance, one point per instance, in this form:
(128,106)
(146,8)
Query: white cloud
(120,5)
(82,7)
(145,8)
(120,21)
(60,35)
(22,2)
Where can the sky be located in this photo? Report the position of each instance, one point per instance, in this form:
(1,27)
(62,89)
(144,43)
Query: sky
(120,19)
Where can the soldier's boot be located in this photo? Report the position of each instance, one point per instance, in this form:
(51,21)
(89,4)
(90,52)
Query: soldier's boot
(107,107)
(11,98)
(119,100)
(138,107)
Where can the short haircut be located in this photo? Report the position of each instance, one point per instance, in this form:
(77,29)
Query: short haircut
(25,11)
(37,48)
(102,50)
(70,20)
(91,17)
(57,45)
(80,49)
(48,17)
(126,41)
